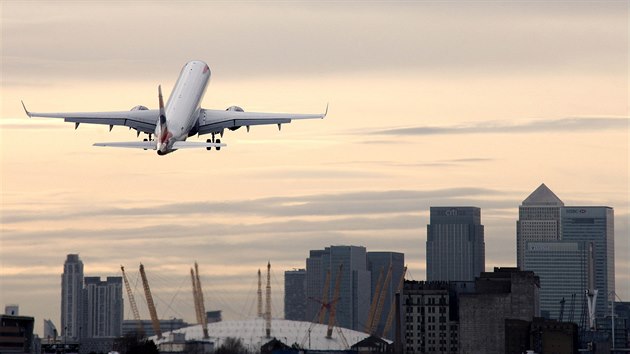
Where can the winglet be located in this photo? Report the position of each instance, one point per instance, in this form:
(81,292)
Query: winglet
(325,113)
(25,110)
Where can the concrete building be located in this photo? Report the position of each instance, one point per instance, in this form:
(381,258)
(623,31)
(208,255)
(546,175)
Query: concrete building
(295,295)
(71,297)
(431,322)
(455,244)
(353,304)
(538,220)
(506,293)
(16,334)
(103,304)
(380,262)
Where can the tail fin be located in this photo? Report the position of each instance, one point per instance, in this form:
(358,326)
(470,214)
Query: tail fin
(162,113)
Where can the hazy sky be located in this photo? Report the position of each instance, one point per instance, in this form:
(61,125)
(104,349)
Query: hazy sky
(431,104)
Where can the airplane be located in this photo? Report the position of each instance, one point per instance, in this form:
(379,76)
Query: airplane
(180,118)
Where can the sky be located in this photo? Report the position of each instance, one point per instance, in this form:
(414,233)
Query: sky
(432,103)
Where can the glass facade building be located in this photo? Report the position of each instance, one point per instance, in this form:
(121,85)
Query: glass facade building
(538,220)
(295,295)
(553,241)
(455,244)
(561,266)
(595,224)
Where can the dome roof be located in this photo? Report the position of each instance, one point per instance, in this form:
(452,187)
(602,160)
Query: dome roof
(252,334)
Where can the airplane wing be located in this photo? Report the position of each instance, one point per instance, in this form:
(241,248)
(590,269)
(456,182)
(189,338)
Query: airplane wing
(142,120)
(151,145)
(215,121)
(147,145)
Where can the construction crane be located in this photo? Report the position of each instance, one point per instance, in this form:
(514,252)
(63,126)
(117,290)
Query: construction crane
(147,292)
(268,302)
(194,293)
(324,302)
(260,307)
(381,301)
(377,293)
(333,305)
(392,308)
(132,302)
(561,309)
(199,302)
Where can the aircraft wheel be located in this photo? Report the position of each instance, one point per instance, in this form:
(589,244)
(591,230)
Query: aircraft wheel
(209,147)
(218,142)
(144,140)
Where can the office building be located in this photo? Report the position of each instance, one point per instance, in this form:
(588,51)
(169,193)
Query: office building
(594,224)
(506,293)
(380,262)
(561,267)
(103,303)
(538,220)
(71,297)
(552,241)
(455,244)
(353,303)
(295,295)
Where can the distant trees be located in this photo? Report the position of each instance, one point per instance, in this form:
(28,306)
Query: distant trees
(232,345)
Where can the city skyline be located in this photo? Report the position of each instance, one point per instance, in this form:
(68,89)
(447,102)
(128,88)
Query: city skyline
(431,104)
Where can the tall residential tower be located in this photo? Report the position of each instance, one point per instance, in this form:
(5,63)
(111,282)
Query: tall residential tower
(71,297)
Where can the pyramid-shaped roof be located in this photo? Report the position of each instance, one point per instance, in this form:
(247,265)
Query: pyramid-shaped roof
(543,196)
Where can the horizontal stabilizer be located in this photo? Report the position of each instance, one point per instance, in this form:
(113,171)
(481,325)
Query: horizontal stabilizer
(195,144)
(147,145)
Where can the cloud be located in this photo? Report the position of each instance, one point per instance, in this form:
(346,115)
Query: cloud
(538,126)
(279,39)
(351,203)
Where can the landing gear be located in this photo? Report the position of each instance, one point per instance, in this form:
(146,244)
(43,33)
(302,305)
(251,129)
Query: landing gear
(213,140)
(145,139)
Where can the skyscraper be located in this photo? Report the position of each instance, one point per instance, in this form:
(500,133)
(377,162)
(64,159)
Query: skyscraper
(561,267)
(553,240)
(71,297)
(455,244)
(538,220)
(103,307)
(295,295)
(353,303)
(594,224)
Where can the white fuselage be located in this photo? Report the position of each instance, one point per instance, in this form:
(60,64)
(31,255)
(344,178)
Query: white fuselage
(183,105)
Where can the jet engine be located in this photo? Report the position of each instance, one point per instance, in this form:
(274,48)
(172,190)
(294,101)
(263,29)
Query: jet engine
(139,108)
(235,109)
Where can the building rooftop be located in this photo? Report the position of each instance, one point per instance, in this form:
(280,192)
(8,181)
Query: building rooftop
(543,196)
(252,334)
